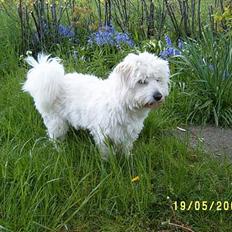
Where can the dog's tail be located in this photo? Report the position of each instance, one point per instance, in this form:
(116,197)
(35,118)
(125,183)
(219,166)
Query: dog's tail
(44,81)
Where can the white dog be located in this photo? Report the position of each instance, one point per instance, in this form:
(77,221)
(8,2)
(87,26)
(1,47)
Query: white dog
(114,108)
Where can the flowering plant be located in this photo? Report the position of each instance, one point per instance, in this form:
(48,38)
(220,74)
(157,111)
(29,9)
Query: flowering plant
(66,31)
(107,35)
(170,50)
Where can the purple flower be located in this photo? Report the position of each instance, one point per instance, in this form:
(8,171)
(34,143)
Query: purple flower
(109,28)
(109,36)
(168,40)
(123,38)
(66,31)
(170,50)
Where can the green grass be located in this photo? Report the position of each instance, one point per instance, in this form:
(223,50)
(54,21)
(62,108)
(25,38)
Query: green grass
(67,187)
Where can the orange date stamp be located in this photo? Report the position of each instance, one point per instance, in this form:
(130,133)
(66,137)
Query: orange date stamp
(202,205)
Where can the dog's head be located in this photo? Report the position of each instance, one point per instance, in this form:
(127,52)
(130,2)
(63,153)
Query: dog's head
(144,80)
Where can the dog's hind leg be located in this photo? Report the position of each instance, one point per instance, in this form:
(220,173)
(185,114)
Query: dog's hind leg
(56,126)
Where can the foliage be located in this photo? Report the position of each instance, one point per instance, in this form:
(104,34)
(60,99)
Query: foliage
(143,18)
(149,19)
(153,46)
(165,51)
(9,44)
(41,23)
(206,69)
(224,20)
(44,24)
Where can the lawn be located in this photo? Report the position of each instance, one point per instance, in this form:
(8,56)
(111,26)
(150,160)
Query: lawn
(66,186)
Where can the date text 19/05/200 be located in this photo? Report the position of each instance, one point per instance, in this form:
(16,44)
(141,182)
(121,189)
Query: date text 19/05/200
(202,205)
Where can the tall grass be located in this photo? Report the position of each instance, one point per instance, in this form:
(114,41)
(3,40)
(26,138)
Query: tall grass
(9,43)
(206,69)
(67,187)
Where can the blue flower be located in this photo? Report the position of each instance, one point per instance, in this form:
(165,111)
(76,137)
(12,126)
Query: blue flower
(170,50)
(168,40)
(109,36)
(123,38)
(66,31)
(109,28)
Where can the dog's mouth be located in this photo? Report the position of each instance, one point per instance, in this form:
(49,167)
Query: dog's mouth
(153,105)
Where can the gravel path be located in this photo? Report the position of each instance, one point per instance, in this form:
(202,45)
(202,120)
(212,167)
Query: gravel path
(214,140)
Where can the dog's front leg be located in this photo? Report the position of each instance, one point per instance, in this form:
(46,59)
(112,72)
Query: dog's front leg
(103,148)
(127,147)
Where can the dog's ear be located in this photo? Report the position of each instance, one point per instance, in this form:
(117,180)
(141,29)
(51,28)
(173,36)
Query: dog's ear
(124,68)
(127,66)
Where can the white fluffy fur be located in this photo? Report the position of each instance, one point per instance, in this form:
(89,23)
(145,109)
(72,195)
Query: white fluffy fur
(113,108)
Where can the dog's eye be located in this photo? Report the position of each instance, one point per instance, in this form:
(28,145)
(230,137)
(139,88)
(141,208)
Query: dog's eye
(142,82)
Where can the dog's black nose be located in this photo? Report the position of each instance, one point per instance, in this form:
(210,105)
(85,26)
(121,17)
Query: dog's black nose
(157,96)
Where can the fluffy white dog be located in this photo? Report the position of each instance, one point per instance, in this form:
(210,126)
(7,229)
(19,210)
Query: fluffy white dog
(114,108)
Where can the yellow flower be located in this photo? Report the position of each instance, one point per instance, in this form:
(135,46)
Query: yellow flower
(135,179)
(218,18)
